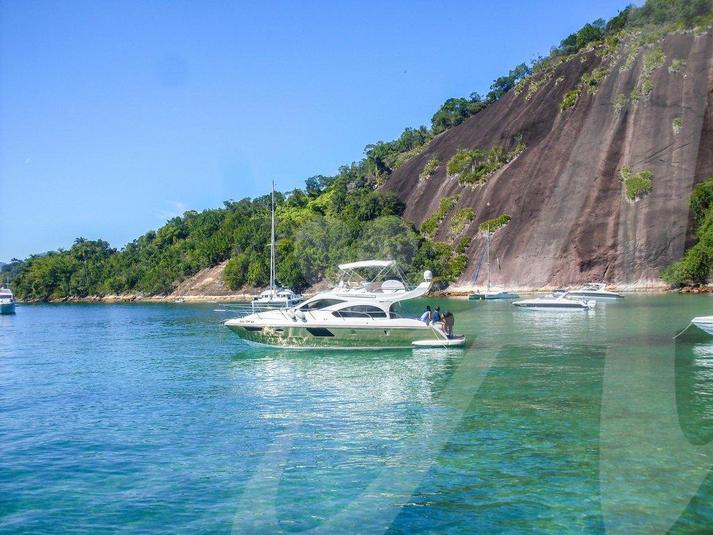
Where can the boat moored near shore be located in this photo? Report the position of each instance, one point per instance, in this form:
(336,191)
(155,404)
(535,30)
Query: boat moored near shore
(7,301)
(556,302)
(594,290)
(359,312)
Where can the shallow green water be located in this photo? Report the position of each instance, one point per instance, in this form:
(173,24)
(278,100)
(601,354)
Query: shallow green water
(156,418)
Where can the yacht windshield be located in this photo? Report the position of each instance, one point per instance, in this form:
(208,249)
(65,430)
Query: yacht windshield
(320,304)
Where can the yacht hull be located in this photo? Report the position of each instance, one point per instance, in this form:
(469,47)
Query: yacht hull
(333,336)
(595,295)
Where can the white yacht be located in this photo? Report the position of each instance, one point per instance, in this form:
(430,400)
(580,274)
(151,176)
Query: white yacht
(705,323)
(359,312)
(7,301)
(275,297)
(557,302)
(595,290)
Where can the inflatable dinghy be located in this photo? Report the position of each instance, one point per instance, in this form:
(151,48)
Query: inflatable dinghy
(458,341)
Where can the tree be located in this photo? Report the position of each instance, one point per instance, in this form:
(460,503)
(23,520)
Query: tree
(454,111)
(504,84)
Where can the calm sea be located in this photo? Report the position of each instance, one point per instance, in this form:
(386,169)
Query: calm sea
(155,418)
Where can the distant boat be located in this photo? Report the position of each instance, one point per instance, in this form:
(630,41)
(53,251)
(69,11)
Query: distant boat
(596,290)
(275,297)
(490,291)
(283,297)
(179,301)
(7,301)
(556,302)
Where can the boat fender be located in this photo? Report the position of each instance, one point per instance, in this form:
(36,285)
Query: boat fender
(300,315)
(290,314)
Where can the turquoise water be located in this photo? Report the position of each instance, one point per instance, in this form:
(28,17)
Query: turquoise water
(155,418)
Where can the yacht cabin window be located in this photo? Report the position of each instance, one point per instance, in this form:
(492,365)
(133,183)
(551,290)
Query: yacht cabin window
(360,311)
(319,304)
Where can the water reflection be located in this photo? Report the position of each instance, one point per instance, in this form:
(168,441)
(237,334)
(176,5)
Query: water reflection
(694,390)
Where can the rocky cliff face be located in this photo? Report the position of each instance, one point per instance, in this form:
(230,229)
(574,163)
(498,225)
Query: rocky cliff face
(646,106)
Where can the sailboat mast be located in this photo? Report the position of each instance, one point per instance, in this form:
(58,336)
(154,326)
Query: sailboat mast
(272,244)
(488,249)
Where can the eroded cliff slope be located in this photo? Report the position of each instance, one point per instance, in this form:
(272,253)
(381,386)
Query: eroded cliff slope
(646,104)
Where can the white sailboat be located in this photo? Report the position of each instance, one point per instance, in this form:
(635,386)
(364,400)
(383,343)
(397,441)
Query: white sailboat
(275,297)
(490,291)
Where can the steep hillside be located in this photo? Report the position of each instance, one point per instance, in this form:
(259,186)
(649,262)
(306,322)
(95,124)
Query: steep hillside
(643,103)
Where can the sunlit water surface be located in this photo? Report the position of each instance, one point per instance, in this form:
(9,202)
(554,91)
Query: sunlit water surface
(156,418)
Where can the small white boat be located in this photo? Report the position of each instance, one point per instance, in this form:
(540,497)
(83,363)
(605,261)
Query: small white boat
(7,301)
(595,290)
(705,323)
(556,302)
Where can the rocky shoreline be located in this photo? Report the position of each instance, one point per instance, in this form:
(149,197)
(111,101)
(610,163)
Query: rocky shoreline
(246,297)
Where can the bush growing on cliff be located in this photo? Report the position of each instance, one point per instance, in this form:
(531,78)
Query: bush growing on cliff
(473,166)
(697,263)
(429,169)
(460,219)
(430,225)
(491,225)
(569,99)
(636,185)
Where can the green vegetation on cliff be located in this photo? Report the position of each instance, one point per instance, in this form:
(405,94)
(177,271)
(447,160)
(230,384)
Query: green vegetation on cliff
(491,225)
(431,224)
(473,166)
(696,265)
(636,185)
(429,169)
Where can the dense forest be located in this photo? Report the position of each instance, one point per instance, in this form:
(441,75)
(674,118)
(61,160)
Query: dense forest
(331,219)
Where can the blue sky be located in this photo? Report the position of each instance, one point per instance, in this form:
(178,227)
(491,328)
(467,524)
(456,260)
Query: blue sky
(117,115)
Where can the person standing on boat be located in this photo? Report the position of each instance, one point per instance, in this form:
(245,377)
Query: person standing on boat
(436,317)
(449,321)
(426,316)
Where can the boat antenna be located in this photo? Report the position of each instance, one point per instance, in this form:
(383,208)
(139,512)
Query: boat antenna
(272,244)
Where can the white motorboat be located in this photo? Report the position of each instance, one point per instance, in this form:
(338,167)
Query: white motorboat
(705,323)
(595,290)
(358,312)
(275,297)
(7,301)
(556,302)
